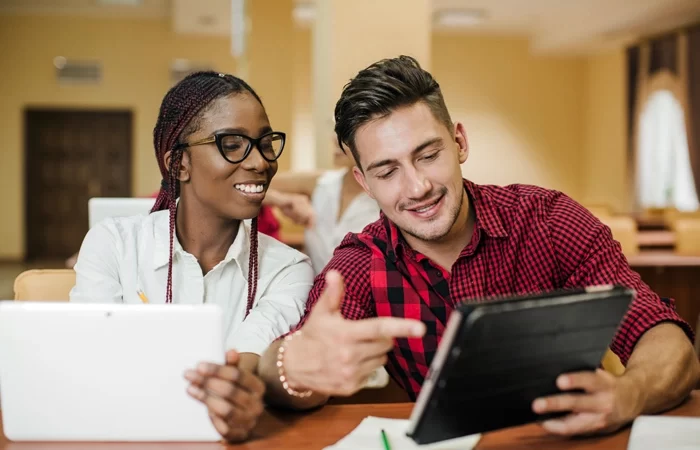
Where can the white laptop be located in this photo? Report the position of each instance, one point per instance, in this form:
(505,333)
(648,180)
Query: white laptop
(105,372)
(99,208)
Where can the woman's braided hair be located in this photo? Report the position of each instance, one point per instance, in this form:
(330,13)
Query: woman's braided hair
(180,115)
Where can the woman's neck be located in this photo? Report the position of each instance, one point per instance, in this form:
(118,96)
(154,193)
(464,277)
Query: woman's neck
(204,235)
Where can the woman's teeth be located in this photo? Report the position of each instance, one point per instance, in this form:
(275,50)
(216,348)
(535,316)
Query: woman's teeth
(250,188)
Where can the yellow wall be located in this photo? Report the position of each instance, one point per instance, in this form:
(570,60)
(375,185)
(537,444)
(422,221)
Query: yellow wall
(136,57)
(303,137)
(605,141)
(269,56)
(523,113)
(554,122)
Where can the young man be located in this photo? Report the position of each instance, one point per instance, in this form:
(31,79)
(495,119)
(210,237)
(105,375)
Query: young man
(442,239)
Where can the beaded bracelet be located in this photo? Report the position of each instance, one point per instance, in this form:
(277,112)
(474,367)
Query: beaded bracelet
(280,367)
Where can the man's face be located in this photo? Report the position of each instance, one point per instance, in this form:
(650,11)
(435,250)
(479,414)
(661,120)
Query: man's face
(411,166)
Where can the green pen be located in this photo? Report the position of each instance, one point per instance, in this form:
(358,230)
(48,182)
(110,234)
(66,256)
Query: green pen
(385,440)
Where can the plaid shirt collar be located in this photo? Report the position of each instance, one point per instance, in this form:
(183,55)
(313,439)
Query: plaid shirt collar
(487,221)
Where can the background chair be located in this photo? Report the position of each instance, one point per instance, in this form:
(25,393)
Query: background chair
(290,233)
(599,210)
(612,364)
(672,216)
(697,339)
(44,285)
(624,230)
(687,236)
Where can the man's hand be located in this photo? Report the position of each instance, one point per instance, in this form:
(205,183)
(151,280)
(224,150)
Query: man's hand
(298,208)
(335,356)
(233,396)
(607,403)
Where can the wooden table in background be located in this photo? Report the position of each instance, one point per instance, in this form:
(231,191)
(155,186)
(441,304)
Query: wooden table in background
(661,259)
(651,223)
(673,276)
(294,240)
(315,430)
(656,239)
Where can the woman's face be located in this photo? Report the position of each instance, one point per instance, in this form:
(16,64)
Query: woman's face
(231,191)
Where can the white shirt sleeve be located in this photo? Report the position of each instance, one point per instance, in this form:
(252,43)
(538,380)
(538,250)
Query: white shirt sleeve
(277,311)
(97,268)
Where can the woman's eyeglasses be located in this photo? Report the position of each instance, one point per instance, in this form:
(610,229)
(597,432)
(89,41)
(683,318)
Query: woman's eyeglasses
(236,147)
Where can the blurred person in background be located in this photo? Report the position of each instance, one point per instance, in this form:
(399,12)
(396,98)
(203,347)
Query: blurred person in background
(329,204)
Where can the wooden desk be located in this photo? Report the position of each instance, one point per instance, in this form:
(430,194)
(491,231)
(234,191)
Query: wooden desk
(651,223)
(661,259)
(326,426)
(674,276)
(656,238)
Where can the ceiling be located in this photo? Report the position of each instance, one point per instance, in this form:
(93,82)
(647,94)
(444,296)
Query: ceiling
(553,26)
(580,25)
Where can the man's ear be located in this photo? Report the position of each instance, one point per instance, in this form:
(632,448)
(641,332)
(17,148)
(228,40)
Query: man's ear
(360,178)
(183,173)
(462,142)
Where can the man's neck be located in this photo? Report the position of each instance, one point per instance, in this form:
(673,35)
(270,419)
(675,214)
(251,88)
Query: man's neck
(202,234)
(446,250)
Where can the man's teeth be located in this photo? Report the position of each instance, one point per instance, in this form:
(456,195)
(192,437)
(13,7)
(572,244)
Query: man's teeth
(424,209)
(250,188)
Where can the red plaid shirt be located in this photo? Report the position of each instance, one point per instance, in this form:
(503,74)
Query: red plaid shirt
(526,239)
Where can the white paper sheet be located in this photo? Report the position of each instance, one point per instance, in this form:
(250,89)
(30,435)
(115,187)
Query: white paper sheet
(665,432)
(367,436)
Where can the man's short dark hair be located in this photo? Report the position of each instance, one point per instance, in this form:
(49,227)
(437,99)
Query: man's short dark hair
(380,89)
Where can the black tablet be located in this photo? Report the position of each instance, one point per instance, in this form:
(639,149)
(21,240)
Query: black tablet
(497,357)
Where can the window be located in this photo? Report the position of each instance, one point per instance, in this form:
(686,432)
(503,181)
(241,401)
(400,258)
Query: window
(664,175)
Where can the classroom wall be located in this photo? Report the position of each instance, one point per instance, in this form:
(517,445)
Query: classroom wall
(523,114)
(136,56)
(552,121)
(605,140)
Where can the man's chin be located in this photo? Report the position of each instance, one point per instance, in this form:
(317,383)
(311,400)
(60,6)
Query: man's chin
(432,233)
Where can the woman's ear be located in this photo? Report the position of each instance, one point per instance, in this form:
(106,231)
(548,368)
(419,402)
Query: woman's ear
(183,173)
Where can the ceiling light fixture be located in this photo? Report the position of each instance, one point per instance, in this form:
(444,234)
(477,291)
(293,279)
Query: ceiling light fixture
(459,18)
(120,2)
(304,13)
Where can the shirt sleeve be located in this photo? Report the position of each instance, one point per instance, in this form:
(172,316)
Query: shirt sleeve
(277,311)
(588,255)
(352,259)
(97,268)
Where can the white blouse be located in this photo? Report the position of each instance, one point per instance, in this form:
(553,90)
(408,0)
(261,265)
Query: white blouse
(124,255)
(328,232)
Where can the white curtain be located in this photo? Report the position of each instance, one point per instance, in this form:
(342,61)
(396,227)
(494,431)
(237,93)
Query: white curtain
(664,176)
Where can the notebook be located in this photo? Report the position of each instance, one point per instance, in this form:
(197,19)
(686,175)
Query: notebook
(367,436)
(664,432)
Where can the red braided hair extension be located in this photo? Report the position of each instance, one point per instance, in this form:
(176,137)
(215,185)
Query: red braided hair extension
(252,266)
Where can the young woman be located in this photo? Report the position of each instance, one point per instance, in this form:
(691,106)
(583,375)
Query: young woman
(217,154)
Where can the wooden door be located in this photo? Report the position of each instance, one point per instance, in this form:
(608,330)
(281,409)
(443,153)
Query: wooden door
(70,157)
